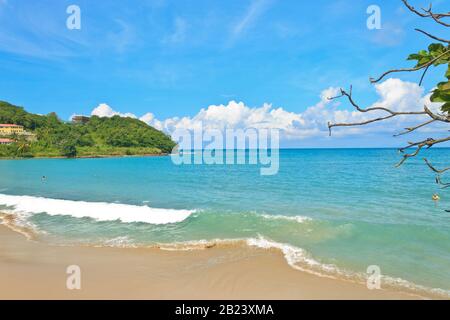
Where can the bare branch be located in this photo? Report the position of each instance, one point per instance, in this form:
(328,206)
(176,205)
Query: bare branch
(434,169)
(428,143)
(443,184)
(438,17)
(408,130)
(331,125)
(434,117)
(428,13)
(357,107)
(432,36)
(411,8)
(392,114)
(438,117)
(409,155)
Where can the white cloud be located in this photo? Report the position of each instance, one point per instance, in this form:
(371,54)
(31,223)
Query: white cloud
(394,94)
(103,110)
(400,95)
(148,117)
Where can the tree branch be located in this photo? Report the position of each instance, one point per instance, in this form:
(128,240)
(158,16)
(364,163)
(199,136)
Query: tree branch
(428,143)
(434,169)
(357,107)
(392,113)
(331,125)
(443,184)
(433,37)
(438,17)
(438,117)
(409,130)
(426,65)
(411,8)
(433,117)
(428,13)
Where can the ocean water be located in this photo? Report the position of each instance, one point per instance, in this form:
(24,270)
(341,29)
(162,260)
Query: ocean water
(333,212)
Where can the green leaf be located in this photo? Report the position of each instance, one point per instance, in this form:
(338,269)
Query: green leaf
(423,61)
(441,95)
(437,47)
(414,56)
(444,86)
(435,97)
(446,107)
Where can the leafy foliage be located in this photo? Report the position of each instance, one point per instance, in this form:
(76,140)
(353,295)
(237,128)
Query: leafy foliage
(69,149)
(98,137)
(437,55)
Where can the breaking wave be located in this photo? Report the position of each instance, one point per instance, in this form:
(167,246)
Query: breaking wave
(20,207)
(100,211)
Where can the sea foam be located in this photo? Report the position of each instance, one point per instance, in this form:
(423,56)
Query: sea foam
(299,219)
(296,257)
(300,259)
(101,211)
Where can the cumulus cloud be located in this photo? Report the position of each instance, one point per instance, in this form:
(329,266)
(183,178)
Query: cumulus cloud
(394,94)
(400,95)
(104,110)
(236,115)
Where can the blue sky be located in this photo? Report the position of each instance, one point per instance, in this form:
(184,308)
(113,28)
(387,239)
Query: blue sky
(173,58)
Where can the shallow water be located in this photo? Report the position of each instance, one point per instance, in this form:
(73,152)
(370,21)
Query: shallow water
(333,211)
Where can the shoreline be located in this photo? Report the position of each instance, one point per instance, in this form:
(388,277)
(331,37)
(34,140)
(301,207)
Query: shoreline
(92,157)
(35,270)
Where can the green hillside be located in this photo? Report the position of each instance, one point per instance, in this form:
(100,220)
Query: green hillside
(99,137)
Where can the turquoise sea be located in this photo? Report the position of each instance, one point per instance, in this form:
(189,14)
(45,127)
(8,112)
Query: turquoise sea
(333,212)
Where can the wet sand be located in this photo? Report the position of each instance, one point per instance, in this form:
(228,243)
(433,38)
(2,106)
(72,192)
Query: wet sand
(35,270)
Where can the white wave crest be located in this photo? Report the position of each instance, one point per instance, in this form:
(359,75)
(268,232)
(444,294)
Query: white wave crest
(301,260)
(120,242)
(299,219)
(101,211)
(296,257)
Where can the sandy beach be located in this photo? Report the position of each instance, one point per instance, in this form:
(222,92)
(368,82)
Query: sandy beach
(34,270)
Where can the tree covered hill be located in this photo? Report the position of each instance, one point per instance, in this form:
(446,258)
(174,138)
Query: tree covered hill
(98,137)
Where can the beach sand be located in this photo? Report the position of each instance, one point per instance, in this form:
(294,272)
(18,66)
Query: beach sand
(35,270)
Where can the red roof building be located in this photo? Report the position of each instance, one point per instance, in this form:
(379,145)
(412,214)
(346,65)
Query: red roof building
(8,125)
(6,141)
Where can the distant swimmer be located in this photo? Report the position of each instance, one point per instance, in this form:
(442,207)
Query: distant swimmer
(436,197)
(44,178)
